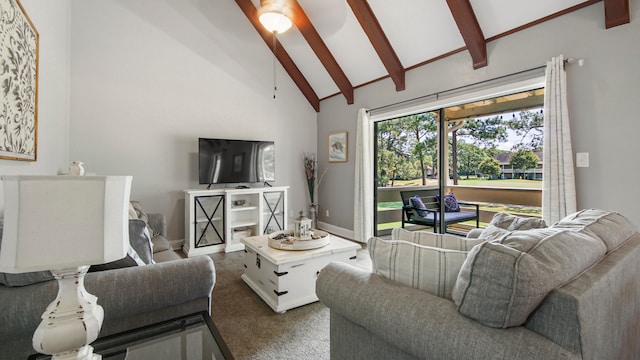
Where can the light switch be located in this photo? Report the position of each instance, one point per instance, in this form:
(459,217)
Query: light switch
(582,159)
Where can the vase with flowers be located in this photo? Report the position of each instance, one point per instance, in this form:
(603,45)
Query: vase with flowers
(313,182)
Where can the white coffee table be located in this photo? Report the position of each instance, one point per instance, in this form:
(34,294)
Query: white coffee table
(286,279)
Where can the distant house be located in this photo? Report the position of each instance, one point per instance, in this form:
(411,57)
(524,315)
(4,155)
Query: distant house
(507,171)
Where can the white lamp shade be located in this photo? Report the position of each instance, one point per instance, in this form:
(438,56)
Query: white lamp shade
(57,222)
(275,22)
(275,15)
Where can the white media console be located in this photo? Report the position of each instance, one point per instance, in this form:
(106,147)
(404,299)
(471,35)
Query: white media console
(216,220)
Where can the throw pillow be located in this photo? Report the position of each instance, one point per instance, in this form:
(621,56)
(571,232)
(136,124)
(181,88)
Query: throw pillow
(140,240)
(503,280)
(132,212)
(450,203)
(429,238)
(513,222)
(143,216)
(426,268)
(416,202)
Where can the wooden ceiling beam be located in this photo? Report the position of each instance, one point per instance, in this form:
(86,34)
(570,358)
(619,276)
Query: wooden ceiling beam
(283,57)
(616,12)
(321,50)
(470,30)
(379,40)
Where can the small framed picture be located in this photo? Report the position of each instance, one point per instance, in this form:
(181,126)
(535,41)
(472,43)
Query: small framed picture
(338,147)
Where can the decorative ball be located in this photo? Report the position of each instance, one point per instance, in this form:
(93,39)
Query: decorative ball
(76,168)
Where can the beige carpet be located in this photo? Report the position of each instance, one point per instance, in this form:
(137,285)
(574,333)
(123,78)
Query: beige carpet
(252,330)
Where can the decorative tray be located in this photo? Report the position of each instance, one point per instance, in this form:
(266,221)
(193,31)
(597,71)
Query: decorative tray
(284,240)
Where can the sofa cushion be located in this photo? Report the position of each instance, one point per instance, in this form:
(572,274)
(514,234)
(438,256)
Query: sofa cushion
(513,222)
(449,217)
(429,238)
(160,244)
(430,269)
(131,259)
(611,227)
(504,279)
(24,279)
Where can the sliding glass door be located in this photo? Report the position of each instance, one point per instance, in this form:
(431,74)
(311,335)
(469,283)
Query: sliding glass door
(479,145)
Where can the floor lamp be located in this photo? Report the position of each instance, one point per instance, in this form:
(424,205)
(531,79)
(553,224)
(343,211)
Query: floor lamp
(64,224)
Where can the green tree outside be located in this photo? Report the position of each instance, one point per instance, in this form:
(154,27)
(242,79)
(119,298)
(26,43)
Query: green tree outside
(407,146)
(489,167)
(523,160)
(469,158)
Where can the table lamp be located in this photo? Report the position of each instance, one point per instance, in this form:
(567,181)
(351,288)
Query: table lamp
(64,224)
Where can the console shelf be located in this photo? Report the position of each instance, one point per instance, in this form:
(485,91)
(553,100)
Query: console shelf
(215,222)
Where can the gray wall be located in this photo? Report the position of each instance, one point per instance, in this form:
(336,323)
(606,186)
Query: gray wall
(149,77)
(128,86)
(603,96)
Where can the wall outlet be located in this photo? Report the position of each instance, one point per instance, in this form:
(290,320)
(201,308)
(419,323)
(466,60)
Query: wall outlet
(326,212)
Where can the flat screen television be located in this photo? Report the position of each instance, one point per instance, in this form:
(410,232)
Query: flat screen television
(226,161)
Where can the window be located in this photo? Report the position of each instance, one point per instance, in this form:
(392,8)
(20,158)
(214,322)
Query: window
(491,143)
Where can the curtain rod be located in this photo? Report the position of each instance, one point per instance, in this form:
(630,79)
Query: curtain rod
(569,60)
(437,94)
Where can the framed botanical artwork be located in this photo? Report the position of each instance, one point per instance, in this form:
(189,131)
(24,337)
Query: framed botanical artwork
(338,146)
(18,83)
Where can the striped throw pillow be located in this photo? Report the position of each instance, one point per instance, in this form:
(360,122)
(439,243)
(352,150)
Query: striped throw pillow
(429,238)
(426,268)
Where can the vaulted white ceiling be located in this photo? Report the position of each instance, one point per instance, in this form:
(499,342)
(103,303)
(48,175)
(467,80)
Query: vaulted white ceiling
(336,50)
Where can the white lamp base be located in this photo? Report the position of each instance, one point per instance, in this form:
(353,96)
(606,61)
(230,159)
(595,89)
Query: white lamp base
(72,321)
(85,352)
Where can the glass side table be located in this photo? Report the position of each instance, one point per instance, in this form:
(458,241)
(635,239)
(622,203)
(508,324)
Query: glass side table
(189,337)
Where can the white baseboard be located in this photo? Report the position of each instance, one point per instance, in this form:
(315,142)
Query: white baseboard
(345,233)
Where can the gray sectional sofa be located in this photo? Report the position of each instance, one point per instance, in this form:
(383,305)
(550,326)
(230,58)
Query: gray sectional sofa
(594,314)
(131,296)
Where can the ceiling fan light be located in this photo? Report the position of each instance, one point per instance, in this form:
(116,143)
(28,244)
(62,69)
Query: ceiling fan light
(275,15)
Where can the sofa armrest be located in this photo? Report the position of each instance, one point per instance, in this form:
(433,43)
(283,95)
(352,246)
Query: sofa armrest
(420,324)
(128,291)
(158,222)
